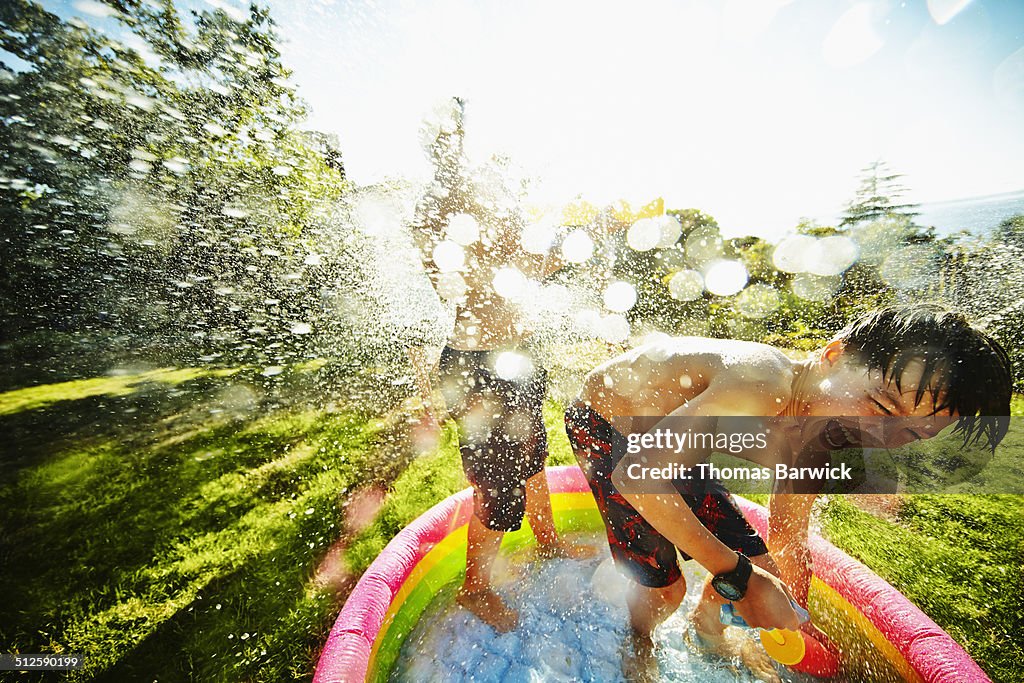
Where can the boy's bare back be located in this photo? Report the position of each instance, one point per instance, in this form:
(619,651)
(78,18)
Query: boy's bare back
(664,375)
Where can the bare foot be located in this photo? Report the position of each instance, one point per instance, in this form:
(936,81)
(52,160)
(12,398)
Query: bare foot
(733,645)
(639,663)
(489,608)
(562,548)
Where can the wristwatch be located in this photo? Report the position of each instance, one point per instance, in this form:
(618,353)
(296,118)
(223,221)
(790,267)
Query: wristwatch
(733,585)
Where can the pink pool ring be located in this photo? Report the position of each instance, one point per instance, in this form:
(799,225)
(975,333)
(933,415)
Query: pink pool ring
(882,634)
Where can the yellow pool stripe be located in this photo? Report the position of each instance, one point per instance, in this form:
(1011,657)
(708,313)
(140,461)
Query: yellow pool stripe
(840,614)
(456,539)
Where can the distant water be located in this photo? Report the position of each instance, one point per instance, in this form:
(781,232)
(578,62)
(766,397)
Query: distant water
(978,215)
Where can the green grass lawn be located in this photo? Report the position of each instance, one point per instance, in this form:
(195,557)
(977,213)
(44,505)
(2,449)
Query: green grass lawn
(958,558)
(174,525)
(171,526)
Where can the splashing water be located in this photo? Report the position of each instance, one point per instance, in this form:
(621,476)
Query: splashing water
(573,626)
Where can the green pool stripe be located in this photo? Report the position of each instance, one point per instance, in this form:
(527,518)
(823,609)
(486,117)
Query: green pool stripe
(446,572)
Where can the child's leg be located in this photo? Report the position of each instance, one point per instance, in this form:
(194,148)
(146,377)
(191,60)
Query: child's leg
(538,510)
(476,594)
(648,607)
(542,521)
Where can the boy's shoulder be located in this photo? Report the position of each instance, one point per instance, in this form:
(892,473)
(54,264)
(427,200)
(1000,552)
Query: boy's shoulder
(743,362)
(732,352)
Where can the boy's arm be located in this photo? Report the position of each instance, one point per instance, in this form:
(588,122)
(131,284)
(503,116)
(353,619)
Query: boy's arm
(767,601)
(790,514)
(790,511)
(445,195)
(789,517)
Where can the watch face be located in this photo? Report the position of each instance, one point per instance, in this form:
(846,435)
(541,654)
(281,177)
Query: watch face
(726,589)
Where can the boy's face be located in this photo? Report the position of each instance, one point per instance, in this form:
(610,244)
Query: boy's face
(850,390)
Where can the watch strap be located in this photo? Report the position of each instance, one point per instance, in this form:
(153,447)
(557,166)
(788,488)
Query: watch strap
(737,578)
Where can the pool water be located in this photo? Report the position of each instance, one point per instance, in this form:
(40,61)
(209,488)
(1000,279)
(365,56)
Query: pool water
(572,625)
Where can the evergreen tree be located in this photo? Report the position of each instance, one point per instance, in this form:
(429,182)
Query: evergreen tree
(878,197)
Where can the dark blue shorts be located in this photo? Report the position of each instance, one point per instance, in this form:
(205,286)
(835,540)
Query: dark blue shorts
(501,431)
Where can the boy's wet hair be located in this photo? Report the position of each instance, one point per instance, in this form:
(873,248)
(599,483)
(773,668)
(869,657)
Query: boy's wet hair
(965,370)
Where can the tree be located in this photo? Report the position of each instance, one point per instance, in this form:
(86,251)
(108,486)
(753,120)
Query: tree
(878,197)
(990,286)
(157,188)
(1011,231)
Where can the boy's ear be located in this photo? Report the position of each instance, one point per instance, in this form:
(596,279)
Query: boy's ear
(831,354)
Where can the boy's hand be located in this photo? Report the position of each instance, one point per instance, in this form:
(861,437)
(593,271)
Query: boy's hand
(766,604)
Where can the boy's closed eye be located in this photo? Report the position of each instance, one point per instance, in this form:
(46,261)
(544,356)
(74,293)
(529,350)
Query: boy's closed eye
(884,404)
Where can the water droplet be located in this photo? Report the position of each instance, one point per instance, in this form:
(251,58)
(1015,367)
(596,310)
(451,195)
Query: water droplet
(450,286)
(513,366)
(686,285)
(448,256)
(643,235)
(814,287)
(725,277)
(537,238)
(577,247)
(619,297)
(141,102)
(792,254)
(668,230)
(176,165)
(831,255)
(509,282)
(757,301)
(95,9)
(702,245)
(214,129)
(462,229)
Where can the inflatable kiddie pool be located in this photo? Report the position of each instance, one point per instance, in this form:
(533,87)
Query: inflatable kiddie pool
(884,637)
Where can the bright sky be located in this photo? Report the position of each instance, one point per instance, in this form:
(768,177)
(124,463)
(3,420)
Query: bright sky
(756,111)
